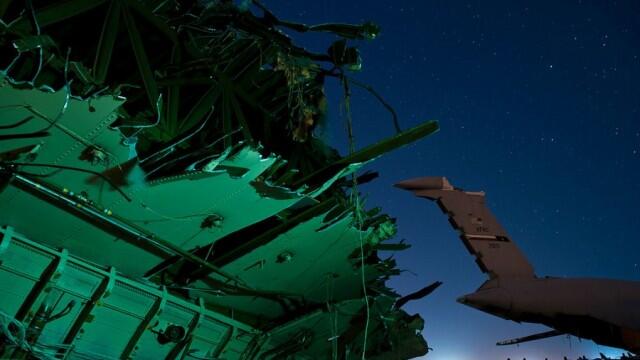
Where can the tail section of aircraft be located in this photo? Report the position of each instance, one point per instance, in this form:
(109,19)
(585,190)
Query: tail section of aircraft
(484,237)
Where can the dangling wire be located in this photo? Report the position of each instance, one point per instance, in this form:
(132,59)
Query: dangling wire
(357,208)
(72,168)
(333,315)
(372,91)
(67,90)
(363,278)
(40,50)
(164,151)
(347,109)
(140,127)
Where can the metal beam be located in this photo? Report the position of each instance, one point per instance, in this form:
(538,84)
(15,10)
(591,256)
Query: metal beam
(200,109)
(158,22)
(173,95)
(58,12)
(107,41)
(182,346)
(42,288)
(152,315)
(225,342)
(103,290)
(142,59)
(371,152)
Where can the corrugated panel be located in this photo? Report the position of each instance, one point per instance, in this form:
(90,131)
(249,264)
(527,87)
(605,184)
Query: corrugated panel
(26,260)
(209,337)
(15,288)
(107,332)
(79,281)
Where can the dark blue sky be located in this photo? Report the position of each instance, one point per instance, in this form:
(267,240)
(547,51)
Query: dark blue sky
(539,105)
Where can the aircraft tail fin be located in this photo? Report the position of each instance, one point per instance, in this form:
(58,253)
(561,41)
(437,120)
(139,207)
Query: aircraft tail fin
(481,233)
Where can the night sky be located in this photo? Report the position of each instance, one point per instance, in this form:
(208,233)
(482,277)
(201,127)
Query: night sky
(539,106)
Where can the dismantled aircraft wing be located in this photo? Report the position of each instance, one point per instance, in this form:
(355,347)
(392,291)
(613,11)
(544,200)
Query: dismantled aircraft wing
(162,194)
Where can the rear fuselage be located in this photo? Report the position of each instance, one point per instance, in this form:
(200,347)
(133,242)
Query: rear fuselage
(606,311)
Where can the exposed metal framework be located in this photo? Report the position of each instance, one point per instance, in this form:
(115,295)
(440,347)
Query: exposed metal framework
(79,330)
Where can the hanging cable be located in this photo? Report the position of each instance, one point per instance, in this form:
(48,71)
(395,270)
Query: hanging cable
(357,208)
(372,91)
(145,126)
(347,107)
(66,311)
(333,315)
(40,50)
(178,142)
(363,278)
(67,89)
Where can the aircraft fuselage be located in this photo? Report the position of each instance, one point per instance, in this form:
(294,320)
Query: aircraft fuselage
(606,311)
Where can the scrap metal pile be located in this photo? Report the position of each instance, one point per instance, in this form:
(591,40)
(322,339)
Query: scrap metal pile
(162,193)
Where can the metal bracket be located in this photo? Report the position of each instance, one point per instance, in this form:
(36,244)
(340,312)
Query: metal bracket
(111,282)
(7,235)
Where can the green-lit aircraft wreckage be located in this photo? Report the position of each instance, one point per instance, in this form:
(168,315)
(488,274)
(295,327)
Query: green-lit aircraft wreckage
(163,196)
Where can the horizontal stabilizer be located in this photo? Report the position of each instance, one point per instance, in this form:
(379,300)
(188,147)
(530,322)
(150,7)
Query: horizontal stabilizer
(540,336)
(426,183)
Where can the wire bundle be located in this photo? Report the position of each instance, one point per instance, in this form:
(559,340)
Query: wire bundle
(14,332)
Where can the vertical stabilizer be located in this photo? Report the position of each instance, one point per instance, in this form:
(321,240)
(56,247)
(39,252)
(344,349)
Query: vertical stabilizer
(481,233)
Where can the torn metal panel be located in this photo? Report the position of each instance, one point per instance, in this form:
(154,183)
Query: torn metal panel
(77,132)
(316,261)
(202,195)
(83,127)
(72,134)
